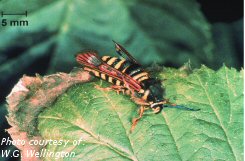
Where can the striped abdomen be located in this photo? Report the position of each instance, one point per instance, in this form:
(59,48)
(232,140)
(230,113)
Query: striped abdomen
(151,90)
(105,77)
(138,74)
(133,70)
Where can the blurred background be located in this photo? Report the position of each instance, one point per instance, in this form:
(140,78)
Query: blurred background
(165,32)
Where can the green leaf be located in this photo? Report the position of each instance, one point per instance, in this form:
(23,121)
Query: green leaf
(102,120)
(59,29)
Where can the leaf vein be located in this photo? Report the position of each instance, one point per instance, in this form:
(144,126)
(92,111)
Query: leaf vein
(216,114)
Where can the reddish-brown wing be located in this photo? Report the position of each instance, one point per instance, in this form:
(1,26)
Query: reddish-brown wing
(91,60)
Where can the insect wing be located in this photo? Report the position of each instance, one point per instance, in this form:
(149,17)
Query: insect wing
(124,53)
(110,71)
(91,59)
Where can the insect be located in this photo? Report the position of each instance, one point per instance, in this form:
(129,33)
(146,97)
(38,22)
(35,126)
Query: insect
(129,77)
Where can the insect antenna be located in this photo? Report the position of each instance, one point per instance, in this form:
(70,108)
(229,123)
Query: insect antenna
(181,107)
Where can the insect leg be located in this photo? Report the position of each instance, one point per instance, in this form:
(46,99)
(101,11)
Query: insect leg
(101,88)
(139,101)
(128,87)
(118,89)
(136,120)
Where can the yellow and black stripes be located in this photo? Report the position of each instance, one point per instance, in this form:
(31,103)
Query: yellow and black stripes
(133,70)
(126,75)
(105,58)
(104,77)
(94,72)
(120,64)
(115,62)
